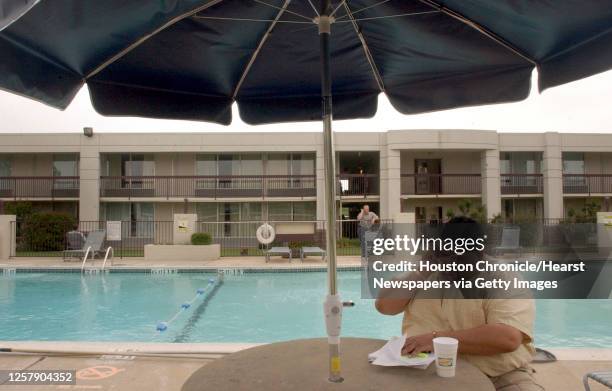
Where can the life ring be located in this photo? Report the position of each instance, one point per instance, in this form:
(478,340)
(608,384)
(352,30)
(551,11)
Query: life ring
(265,234)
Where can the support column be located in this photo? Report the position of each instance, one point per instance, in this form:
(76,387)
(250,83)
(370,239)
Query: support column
(490,182)
(89,171)
(390,184)
(552,168)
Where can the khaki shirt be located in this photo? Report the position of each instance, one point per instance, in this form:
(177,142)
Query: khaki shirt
(423,316)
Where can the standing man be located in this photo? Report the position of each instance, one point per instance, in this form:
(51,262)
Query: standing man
(365,219)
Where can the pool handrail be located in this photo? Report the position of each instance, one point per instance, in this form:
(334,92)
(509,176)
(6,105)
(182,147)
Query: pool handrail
(89,249)
(110,251)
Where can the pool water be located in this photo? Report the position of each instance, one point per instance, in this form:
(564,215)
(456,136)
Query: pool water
(254,307)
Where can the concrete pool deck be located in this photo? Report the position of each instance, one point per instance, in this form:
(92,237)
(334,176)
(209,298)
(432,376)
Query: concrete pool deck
(222,263)
(127,367)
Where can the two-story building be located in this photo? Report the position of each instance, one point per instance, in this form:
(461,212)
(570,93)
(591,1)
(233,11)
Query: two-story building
(232,177)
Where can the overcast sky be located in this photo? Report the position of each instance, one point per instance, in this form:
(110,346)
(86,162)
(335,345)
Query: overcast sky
(582,106)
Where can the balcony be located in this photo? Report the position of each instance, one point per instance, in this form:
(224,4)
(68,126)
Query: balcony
(440,184)
(234,186)
(587,183)
(39,187)
(521,184)
(357,185)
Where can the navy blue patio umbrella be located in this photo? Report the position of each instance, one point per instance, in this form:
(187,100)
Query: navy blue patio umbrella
(192,59)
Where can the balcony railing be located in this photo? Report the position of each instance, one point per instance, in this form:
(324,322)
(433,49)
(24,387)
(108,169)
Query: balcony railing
(433,184)
(208,186)
(20,187)
(587,183)
(351,185)
(521,183)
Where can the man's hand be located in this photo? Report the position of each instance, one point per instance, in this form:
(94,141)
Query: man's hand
(418,344)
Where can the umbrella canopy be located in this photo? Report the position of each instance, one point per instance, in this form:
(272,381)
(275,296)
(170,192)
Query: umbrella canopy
(191,59)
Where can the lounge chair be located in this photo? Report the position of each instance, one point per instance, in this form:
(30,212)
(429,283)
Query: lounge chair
(278,251)
(74,240)
(305,251)
(510,240)
(369,237)
(601,377)
(95,240)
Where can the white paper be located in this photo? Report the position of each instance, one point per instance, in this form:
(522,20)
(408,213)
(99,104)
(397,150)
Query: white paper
(390,355)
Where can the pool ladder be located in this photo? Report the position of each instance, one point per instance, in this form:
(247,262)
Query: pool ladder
(109,252)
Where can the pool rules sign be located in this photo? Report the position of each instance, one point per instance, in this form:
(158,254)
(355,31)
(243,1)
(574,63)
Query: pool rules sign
(113,230)
(183,228)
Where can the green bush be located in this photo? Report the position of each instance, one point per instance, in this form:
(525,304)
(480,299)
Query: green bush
(47,231)
(201,239)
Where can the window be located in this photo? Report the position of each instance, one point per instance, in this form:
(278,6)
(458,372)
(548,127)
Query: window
(5,166)
(279,211)
(291,211)
(520,162)
(573,163)
(304,211)
(227,165)
(134,166)
(65,165)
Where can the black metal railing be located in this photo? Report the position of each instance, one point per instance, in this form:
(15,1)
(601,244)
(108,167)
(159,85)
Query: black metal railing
(587,183)
(208,186)
(429,184)
(351,185)
(20,187)
(521,183)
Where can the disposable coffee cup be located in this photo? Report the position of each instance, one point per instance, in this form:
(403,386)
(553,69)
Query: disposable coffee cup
(445,350)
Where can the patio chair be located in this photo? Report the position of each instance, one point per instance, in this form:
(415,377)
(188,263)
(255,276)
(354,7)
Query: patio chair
(278,251)
(95,240)
(601,377)
(305,251)
(369,237)
(510,240)
(74,240)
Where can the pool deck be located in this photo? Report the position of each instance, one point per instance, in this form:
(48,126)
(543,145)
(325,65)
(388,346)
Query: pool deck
(139,366)
(128,263)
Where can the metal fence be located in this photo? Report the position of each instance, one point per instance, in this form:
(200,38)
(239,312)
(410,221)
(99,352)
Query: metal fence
(237,238)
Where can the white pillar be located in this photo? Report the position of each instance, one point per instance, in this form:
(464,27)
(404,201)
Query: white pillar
(390,184)
(552,168)
(89,171)
(490,182)
(7,236)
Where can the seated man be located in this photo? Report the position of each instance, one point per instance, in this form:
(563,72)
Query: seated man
(495,334)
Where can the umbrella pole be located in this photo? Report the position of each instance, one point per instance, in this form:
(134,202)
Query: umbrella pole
(333,305)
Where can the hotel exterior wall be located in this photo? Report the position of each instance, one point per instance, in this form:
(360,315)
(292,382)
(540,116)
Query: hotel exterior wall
(175,154)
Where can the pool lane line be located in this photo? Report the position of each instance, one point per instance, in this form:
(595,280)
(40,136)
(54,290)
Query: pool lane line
(184,335)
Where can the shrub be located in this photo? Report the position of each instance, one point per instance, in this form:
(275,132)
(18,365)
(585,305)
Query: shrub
(21,209)
(47,231)
(201,239)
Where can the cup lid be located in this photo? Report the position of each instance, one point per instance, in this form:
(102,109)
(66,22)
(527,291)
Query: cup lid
(446,341)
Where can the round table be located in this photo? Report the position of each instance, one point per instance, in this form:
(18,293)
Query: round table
(302,365)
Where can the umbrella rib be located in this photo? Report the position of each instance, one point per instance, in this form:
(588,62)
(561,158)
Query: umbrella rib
(366,49)
(252,20)
(363,9)
(481,29)
(284,10)
(389,16)
(142,39)
(314,8)
(262,42)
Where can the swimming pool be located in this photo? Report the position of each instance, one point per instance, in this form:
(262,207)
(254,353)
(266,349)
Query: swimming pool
(253,307)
